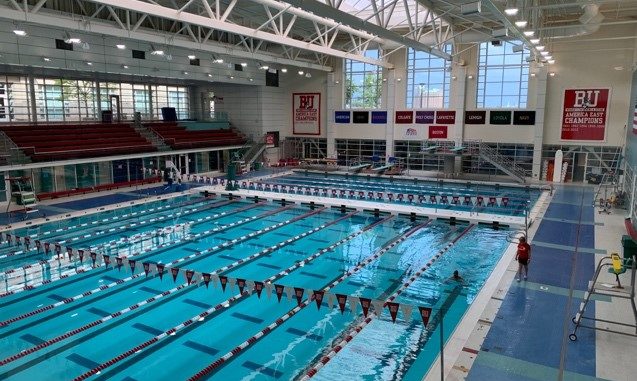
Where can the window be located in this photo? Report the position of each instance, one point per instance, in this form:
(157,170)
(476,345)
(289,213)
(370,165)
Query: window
(363,83)
(171,96)
(428,79)
(503,76)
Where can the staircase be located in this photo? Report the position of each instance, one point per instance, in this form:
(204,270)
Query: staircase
(501,162)
(151,136)
(250,152)
(10,153)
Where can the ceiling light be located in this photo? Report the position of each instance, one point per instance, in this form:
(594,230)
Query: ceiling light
(540,48)
(192,57)
(73,40)
(470,76)
(251,79)
(20,32)
(549,57)
(545,53)
(511,11)
(46,59)
(210,75)
(284,70)
(308,75)
(263,67)
(533,75)
(156,52)
(529,33)
(618,68)
(219,60)
(551,62)
(185,73)
(244,64)
(121,46)
(301,72)
(534,41)
(232,77)
(552,74)
(125,66)
(521,23)
(89,63)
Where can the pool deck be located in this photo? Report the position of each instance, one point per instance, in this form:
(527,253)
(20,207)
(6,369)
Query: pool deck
(522,334)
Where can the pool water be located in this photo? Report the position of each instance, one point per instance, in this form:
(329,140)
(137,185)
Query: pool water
(519,198)
(77,335)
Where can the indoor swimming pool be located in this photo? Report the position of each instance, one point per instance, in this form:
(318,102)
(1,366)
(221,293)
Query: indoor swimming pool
(441,194)
(214,288)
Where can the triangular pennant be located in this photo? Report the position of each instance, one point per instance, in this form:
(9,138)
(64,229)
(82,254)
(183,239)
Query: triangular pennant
(47,247)
(160,270)
(279,291)
(330,300)
(120,262)
(174,271)
(241,283)
(425,313)
(58,249)
(258,287)
(353,303)
(318,298)
(268,289)
(250,286)
(393,310)
(223,280)
(365,303)
(189,275)
(298,293)
(131,264)
(146,267)
(69,252)
(214,278)
(341,299)
(378,307)
(206,279)
(231,283)
(107,259)
(406,308)
(27,242)
(38,244)
(80,254)
(93,257)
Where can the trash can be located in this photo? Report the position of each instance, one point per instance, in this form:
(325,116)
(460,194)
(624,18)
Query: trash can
(630,247)
(107,116)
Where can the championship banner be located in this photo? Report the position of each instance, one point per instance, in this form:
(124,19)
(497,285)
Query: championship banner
(306,110)
(584,114)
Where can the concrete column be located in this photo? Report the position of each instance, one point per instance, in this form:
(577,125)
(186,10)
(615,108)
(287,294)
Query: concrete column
(333,101)
(392,86)
(540,106)
(33,107)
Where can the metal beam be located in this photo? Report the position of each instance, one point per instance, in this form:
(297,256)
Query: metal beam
(325,10)
(193,19)
(102,27)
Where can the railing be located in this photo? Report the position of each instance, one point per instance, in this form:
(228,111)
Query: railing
(506,164)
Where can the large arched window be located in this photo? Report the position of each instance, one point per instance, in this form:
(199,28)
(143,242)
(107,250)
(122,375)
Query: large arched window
(428,79)
(363,83)
(503,76)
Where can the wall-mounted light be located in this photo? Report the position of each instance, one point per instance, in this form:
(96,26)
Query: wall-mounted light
(20,32)
(121,46)
(540,48)
(71,40)
(511,11)
(552,74)
(399,79)
(192,57)
(216,59)
(453,77)
(244,64)
(337,82)
(232,77)
(384,79)
(551,62)
(209,75)
(124,66)
(470,76)
(308,75)
(185,73)
(155,51)
(251,79)
(533,75)
(284,70)
(301,72)
(263,66)
(46,59)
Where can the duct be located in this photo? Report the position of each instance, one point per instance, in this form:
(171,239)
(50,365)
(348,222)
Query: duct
(590,22)
(468,37)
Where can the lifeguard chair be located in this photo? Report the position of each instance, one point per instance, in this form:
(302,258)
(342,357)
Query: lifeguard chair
(22,194)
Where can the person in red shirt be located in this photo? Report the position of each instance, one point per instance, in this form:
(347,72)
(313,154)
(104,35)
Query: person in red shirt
(523,256)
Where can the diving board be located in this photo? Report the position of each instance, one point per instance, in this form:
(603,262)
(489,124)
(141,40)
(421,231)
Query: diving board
(359,167)
(383,168)
(457,149)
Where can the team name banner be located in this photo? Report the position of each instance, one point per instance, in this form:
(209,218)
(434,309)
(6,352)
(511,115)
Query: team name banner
(424,117)
(342,117)
(379,117)
(306,109)
(404,117)
(584,114)
(437,132)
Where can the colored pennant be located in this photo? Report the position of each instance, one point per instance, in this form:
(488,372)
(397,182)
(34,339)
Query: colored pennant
(224,281)
(341,299)
(298,293)
(425,313)
(189,275)
(120,262)
(206,279)
(80,253)
(107,259)
(174,271)
(131,264)
(47,247)
(279,291)
(258,287)
(93,257)
(365,303)
(69,252)
(318,298)
(393,310)
(146,267)
(241,283)
(160,270)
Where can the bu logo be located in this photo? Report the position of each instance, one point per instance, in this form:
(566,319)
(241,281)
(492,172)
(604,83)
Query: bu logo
(586,98)
(306,101)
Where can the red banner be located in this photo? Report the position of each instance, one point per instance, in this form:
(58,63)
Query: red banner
(425,313)
(341,299)
(119,262)
(393,310)
(258,287)
(584,114)
(318,298)
(189,275)
(224,281)
(175,272)
(131,264)
(298,292)
(93,257)
(279,291)
(107,259)
(437,132)
(306,113)
(206,279)
(80,253)
(404,117)
(445,117)
(365,303)
(69,252)
(241,283)
(160,271)
(146,267)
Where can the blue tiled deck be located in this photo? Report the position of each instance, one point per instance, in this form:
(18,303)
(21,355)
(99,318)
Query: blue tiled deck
(528,340)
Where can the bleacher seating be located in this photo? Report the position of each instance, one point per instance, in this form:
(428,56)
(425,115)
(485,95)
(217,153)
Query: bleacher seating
(73,141)
(97,188)
(178,137)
